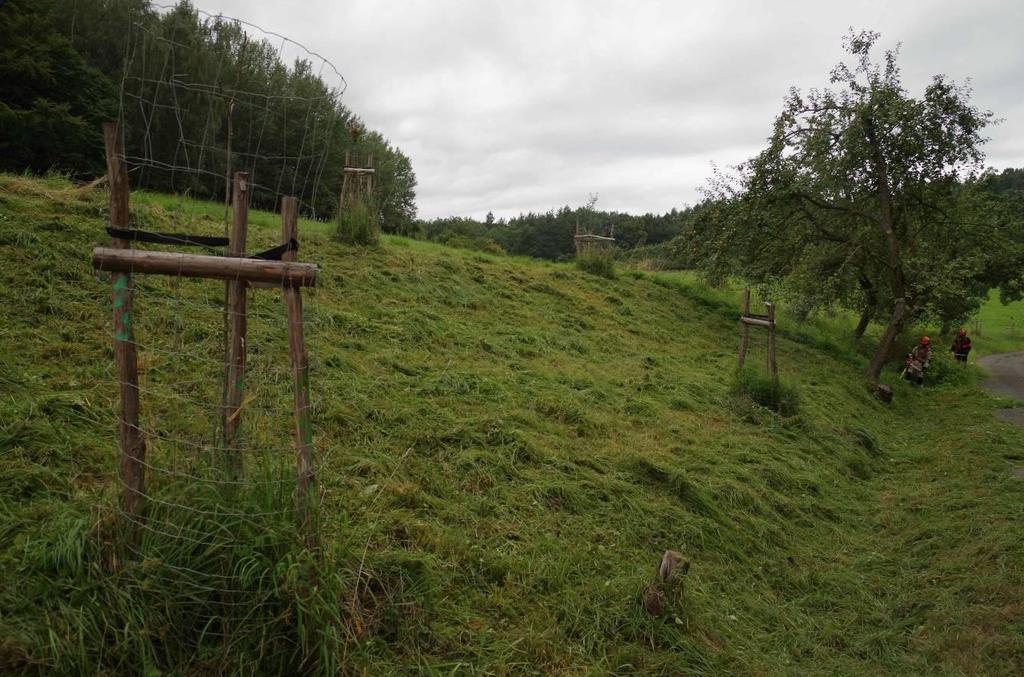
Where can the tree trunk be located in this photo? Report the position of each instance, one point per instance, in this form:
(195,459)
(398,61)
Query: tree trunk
(870,304)
(899,317)
(862,325)
(896,275)
(881,172)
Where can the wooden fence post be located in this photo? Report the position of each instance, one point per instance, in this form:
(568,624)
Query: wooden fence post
(745,330)
(305,476)
(133,444)
(773,366)
(344,185)
(231,410)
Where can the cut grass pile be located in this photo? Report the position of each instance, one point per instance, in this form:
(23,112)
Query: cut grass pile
(509,447)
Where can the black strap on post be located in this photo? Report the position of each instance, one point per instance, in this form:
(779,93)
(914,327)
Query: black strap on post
(277,252)
(167,238)
(273,254)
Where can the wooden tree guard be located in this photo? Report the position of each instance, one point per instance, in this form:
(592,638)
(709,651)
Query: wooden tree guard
(133,444)
(767,321)
(240,273)
(234,306)
(587,243)
(744,327)
(356,183)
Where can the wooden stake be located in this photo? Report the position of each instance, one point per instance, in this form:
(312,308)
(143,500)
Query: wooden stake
(773,366)
(745,335)
(235,308)
(305,476)
(133,444)
(344,185)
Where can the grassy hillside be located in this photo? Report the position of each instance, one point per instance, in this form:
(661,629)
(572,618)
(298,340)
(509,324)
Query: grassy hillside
(508,448)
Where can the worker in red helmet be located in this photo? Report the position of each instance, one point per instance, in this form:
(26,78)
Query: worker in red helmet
(918,359)
(961,346)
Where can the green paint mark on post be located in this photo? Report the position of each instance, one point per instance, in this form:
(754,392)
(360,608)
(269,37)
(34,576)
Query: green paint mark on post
(123,330)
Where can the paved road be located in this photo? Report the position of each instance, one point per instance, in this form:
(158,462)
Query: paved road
(1007,379)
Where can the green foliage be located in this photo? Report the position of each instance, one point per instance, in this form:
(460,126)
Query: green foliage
(945,371)
(394,190)
(357,225)
(52,101)
(597,261)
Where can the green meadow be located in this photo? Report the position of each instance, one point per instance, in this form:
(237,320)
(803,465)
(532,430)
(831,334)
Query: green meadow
(505,449)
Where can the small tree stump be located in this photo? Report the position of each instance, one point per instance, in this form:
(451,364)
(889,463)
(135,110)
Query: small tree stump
(672,565)
(654,600)
(883,392)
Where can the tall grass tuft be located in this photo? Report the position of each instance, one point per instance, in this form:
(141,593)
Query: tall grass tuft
(597,261)
(783,398)
(357,225)
(200,572)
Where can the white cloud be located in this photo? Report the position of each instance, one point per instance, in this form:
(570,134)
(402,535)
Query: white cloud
(515,105)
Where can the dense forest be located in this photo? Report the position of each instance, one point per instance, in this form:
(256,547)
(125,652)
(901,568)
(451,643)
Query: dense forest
(199,97)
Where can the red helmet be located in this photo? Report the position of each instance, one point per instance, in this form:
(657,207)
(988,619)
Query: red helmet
(925,340)
(963,332)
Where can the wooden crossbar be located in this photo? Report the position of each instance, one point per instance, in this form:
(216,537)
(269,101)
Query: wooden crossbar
(283,273)
(756,321)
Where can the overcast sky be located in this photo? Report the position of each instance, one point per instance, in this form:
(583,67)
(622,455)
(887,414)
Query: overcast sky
(511,106)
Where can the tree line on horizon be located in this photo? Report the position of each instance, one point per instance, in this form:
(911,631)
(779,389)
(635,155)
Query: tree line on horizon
(665,239)
(550,235)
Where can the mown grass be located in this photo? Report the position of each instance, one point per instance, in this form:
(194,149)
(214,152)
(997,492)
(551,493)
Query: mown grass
(507,448)
(1001,327)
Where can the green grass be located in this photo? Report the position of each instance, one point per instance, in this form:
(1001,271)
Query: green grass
(505,449)
(1001,327)
(597,262)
